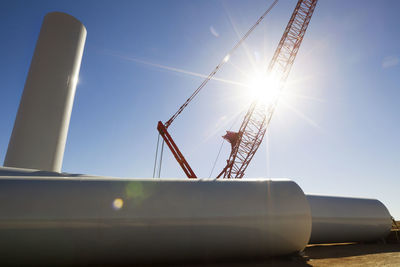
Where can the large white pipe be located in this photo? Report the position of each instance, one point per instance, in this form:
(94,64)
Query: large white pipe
(40,129)
(345,219)
(86,220)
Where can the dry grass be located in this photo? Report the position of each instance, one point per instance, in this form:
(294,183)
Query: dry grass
(326,255)
(354,255)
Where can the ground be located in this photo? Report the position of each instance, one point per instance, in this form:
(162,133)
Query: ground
(382,253)
(327,256)
(354,255)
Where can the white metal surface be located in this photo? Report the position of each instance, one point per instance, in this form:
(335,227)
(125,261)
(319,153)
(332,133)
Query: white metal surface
(100,220)
(344,219)
(41,126)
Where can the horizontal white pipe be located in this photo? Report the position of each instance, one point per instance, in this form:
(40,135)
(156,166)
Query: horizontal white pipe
(106,220)
(345,219)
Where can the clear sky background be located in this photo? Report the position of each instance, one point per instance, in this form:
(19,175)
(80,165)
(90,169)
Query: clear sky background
(336,132)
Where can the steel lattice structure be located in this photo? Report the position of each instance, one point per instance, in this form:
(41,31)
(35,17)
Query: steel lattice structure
(258,117)
(163,128)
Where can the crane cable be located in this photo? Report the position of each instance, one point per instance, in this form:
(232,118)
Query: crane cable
(155,158)
(222,62)
(155,169)
(161,156)
(209,77)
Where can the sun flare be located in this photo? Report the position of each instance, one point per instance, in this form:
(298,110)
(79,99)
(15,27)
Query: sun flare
(265,88)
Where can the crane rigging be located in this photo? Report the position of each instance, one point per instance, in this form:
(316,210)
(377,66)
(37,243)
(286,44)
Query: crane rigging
(246,141)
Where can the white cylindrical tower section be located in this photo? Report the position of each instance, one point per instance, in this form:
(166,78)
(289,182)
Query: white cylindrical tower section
(40,129)
(147,220)
(345,219)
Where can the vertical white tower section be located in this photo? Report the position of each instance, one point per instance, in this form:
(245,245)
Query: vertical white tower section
(41,126)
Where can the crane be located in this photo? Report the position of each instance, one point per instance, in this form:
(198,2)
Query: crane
(246,141)
(252,130)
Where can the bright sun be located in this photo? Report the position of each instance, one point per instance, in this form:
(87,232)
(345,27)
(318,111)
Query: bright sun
(264,88)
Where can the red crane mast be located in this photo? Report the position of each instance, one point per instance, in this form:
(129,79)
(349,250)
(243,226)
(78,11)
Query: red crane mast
(163,128)
(252,130)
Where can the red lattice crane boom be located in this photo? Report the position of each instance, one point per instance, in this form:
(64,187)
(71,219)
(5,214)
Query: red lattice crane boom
(163,128)
(253,128)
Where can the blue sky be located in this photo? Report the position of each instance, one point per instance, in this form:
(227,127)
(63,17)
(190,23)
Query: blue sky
(336,133)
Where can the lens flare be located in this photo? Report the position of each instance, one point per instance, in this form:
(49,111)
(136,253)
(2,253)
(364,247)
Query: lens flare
(117,204)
